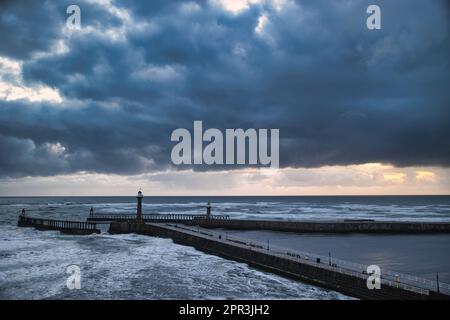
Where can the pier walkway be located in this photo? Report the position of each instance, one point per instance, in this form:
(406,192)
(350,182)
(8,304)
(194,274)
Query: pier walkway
(346,277)
(164,218)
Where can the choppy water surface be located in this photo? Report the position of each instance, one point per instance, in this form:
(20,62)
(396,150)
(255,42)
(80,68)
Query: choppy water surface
(33,263)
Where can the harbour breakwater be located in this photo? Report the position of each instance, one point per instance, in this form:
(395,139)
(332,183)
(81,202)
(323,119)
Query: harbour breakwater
(308,269)
(298,226)
(344,226)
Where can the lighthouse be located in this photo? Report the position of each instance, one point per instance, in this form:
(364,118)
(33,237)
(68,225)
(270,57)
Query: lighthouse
(139,207)
(208,210)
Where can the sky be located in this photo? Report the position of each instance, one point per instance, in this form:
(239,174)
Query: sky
(90,111)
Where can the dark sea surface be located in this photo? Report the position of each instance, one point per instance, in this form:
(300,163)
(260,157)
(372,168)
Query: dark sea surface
(33,263)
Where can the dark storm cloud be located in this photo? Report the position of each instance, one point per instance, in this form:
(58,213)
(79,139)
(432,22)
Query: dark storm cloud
(339,93)
(28,27)
(25,29)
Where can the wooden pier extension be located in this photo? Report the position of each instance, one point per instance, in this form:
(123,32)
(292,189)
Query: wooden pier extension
(346,278)
(68,227)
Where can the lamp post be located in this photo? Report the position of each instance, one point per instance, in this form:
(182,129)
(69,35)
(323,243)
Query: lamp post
(437,281)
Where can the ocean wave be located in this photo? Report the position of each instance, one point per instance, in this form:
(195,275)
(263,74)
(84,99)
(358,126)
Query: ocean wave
(133,266)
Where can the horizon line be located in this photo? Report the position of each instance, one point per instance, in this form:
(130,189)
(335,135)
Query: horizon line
(205,196)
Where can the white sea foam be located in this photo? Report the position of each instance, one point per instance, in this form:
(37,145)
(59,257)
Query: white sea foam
(131,266)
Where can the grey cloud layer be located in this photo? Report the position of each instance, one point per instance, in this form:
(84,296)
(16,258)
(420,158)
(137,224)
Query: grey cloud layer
(339,93)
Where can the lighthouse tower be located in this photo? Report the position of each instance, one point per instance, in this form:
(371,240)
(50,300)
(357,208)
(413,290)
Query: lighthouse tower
(139,207)
(208,210)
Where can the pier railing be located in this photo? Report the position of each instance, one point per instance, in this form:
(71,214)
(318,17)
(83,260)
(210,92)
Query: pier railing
(387,277)
(154,217)
(62,225)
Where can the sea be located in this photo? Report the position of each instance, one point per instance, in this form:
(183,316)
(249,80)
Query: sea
(35,264)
